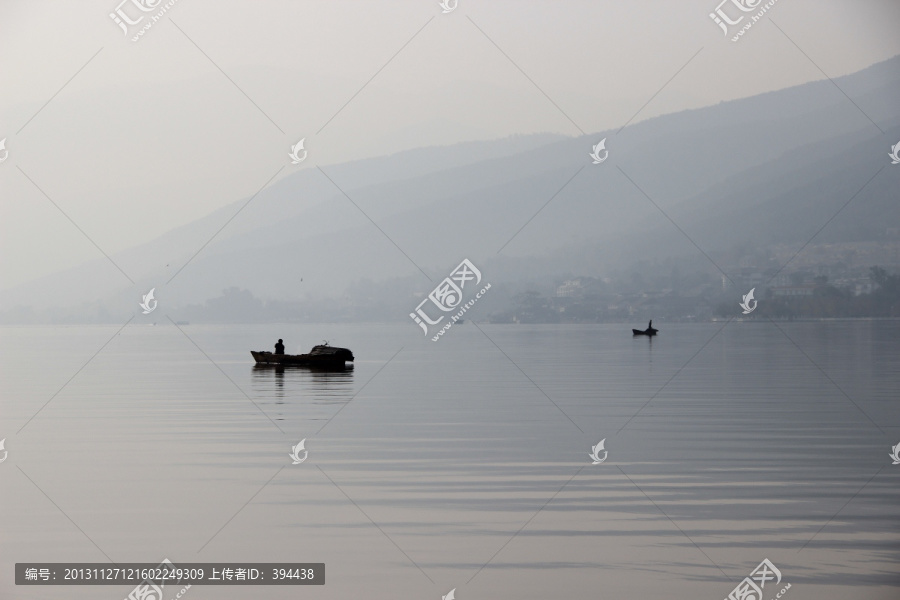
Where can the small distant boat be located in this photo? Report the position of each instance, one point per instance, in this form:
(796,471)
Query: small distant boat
(319,356)
(650,331)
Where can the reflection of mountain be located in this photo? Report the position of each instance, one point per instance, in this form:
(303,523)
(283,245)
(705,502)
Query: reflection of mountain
(763,170)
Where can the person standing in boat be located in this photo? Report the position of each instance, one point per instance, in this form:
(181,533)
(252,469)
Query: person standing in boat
(279,347)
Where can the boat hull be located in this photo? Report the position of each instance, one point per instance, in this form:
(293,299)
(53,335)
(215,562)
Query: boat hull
(319,356)
(647,332)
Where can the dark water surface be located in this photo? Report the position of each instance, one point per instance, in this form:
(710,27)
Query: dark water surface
(463,463)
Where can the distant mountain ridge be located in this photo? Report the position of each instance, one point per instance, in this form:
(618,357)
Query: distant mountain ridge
(771,168)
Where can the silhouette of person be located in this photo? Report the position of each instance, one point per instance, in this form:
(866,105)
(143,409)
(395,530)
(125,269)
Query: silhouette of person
(279,347)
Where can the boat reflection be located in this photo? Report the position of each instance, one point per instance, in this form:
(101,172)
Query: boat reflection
(317,384)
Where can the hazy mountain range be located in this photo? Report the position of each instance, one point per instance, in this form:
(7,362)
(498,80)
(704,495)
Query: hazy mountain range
(770,169)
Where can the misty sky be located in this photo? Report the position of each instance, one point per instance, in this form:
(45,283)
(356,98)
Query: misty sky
(202,111)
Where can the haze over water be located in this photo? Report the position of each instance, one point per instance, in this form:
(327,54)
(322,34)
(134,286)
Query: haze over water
(426,459)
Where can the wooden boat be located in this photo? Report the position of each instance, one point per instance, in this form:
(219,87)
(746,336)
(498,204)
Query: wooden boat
(324,356)
(650,331)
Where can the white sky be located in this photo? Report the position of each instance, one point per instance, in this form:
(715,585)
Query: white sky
(151,135)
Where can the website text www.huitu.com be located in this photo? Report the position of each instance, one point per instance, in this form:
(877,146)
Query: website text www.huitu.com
(462,311)
(753,20)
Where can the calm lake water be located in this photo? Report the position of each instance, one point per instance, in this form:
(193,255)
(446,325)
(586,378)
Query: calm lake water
(463,463)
